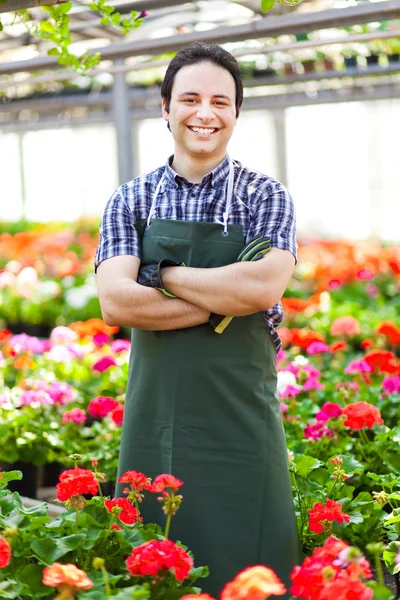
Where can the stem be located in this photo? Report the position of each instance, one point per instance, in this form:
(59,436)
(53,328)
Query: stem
(167,526)
(378,567)
(137,509)
(363,437)
(76,519)
(100,490)
(106,582)
(300,505)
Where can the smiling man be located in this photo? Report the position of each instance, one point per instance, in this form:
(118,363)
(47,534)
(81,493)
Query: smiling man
(195,257)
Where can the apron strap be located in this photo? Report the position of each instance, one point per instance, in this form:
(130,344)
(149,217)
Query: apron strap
(153,203)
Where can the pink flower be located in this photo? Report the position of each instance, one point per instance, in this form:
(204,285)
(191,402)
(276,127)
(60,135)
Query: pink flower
(117,414)
(61,392)
(284,407)
(372,290)
(35,398)
(328,411)
(61,354)
(26,343)
(333,284)
(63,335)
(292,368)
(290,391)
(316,431)
(312,383)
(103,364)
(101,339)
(317,348)
(120,346)
(76,415)
(348,385)
(312,371)
(101,406)
(357,366)
(365,274)
(345,326)
(391,385)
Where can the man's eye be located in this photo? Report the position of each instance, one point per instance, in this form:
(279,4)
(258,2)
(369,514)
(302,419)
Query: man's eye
(191,100)
(221,103)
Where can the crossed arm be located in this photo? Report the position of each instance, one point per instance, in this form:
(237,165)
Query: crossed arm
(238,289)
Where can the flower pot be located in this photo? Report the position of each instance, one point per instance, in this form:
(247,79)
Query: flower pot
(329,65)
(289,69)
(51,473)
(308,66)
(29,482)
(394,57)
(38,330)
(259,73)
(350,62)
(373,59)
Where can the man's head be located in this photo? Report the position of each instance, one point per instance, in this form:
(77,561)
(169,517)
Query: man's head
(199,53)
(201,97)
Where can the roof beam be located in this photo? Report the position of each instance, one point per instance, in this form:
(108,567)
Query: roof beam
(266,27)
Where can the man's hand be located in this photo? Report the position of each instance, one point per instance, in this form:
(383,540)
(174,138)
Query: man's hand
(151,276)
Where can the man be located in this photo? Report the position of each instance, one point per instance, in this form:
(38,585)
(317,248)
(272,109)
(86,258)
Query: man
(200,404)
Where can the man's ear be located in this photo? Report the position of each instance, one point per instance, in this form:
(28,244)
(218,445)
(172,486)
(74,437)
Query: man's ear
(165,114)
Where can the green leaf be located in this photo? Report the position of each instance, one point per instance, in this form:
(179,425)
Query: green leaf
(305,464)
(356,517)
(32,575)
(266,5)
(47,27)
(381,592)
(351,465)
(7,476)
(64,7)
(49,550)
(54,52)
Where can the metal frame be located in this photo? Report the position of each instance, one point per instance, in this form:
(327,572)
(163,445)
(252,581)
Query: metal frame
(256,29)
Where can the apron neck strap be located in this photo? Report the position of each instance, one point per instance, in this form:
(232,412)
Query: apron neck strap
(225,214)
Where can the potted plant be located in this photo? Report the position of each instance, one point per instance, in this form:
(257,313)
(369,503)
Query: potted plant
(327,63)
(350,56)
(392,48)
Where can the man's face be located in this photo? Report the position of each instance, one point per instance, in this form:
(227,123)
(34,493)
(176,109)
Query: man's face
(202,112)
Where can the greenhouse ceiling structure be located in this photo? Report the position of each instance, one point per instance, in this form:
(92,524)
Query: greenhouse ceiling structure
(319,51)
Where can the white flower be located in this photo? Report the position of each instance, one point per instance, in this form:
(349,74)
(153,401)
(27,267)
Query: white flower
(285,378)
(63,334)
(7,279)
(27,282)
(48,290)
(13,266)
(301,360)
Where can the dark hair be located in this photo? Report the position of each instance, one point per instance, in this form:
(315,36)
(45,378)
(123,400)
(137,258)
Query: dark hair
(197,53)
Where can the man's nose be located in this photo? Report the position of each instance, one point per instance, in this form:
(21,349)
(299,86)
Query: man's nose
(205,111)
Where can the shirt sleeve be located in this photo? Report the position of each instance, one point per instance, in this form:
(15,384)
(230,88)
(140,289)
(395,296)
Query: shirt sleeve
(275,217)
(118,235)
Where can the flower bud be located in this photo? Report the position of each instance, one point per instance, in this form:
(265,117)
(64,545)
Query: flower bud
(98,563)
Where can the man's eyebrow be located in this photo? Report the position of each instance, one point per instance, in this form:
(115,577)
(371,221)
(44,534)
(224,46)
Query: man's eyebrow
(197,94)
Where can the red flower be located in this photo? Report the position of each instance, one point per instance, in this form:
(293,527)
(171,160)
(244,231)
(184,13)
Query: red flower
(156,557)
(383,361)
(101,406)
(128,513)
(338,346)
(254,583)
(391,331)
(136,479)
(76,415)
(361,414)
(320,515)
(75,482)
(117,414)
(346,589)
(165,480)
(367,343)
(5,553)
(332,571)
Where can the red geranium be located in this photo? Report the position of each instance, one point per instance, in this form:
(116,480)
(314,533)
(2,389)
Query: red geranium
(136,479)
(75,482)
(128,512)
(157,557)
(320,514)
(361,414)
(382,361)
(163,481)
(117,414)
(5,553)
(332,570)
(101,406)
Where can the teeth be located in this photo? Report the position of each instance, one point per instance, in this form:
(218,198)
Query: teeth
(202,130)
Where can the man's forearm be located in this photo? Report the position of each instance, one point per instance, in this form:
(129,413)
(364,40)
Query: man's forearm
(133,305)
(237,289)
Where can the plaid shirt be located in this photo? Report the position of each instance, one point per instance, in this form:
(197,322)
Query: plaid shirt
(260,204)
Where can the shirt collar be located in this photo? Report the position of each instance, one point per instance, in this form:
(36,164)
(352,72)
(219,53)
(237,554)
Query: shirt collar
(215,177)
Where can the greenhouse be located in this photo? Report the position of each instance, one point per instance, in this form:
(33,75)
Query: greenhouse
(228,429)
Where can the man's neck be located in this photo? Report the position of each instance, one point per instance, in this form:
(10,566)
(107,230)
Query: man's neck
(194,170)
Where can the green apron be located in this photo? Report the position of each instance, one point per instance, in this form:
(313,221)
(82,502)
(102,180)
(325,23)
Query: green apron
(203,407)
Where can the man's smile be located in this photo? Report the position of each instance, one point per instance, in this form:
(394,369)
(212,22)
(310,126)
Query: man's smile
(203,131)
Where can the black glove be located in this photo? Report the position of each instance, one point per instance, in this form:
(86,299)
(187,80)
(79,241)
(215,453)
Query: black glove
(150,275)
(256,249)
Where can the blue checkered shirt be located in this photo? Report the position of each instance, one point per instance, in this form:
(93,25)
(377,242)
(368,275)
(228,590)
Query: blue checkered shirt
(260,204)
